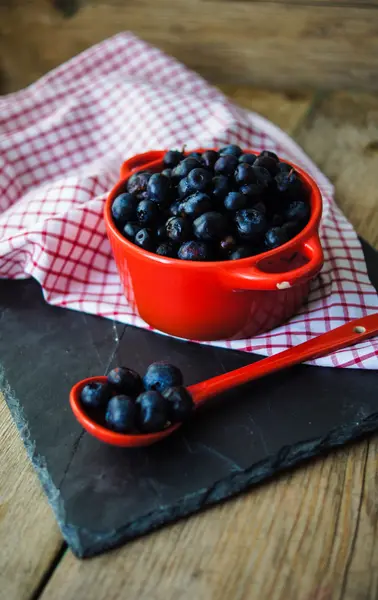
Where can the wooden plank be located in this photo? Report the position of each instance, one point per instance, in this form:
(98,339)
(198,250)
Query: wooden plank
(310,535)
(341,135)
(267,44)
(28,531)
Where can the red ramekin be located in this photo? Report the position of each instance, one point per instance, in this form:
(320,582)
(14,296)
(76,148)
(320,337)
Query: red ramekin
(216,300)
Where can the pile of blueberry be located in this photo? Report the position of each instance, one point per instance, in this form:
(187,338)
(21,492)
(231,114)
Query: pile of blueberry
(221,205)
(128,403)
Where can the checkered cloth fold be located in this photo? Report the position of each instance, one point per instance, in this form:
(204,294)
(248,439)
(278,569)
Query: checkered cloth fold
(62,141)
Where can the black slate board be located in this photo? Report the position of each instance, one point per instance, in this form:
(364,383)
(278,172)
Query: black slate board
(104,496)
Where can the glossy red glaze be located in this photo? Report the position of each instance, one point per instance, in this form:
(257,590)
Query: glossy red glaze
(341,337)
(216,300)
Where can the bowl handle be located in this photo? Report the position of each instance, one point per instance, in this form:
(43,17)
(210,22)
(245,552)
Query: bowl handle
(141,161)
(253,278)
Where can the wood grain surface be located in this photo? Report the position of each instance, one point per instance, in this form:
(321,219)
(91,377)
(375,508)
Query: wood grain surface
(325,44)
(310,535)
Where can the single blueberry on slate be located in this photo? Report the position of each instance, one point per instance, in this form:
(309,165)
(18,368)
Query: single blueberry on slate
(297,210)
(172,158)
(125,381)
(124,209)
(199,180)
(210,226)
(178,229)
(130,230)
(158,188)
(121,414)
(221,187)
(147,212)
(250,223)
(166,249)
(144,238)
(209,158)
(95,395)
(275,237)
(226,165)
(137,184)
(161,375)
(180,404)
(247,158)
(194,250)
(235,201)
(196,204)
(152,411)
(231,149)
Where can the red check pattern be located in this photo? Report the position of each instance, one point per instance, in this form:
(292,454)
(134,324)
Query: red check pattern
(62,141)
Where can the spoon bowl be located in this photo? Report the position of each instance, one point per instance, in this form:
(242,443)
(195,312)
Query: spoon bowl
(336,339)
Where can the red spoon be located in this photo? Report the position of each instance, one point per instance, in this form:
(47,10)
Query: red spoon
(341,337)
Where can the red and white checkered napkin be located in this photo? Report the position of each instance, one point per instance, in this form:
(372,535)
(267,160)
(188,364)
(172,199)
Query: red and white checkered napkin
(62,141)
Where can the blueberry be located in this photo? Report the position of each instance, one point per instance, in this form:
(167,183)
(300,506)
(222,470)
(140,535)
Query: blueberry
(221,187)
(137,184)
(199,180)
(297,210)
(158,188)
(147,212)
(194,250)
(178,229)
(292,228)
(247,158)
(252,191)
(172,158)
(210,226)
(268,163)
(226,165)
(286,180)
(167,172)
(227,245)
(284,167)
(95,395)
(125,381)
(241,252)
(184,188)
(166,249)
(184,167)
(262,175)
(145,240)
(121,414)
(230,150)
(175,209)
(130,230)
(196,155)
(235,201)
(209,158)
(269,154)
(250,223)
(161,375)
(124,209)
(277,220)
(196,204)
(276,236)
(180,404)
(244,174)
(152,412)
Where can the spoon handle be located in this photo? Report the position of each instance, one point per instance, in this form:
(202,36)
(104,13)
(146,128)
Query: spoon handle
(341,337)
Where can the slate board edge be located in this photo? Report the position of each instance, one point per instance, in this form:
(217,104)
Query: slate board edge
(86,544)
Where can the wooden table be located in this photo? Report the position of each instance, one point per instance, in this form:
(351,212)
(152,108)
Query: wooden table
(310,535)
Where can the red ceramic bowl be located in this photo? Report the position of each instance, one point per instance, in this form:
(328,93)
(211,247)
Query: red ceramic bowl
(216,300)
